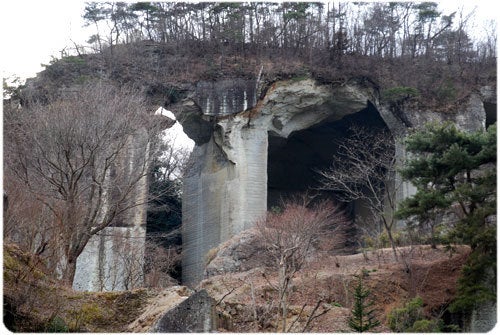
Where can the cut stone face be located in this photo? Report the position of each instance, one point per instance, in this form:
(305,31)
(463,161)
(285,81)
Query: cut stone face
(255,157)
(246,160)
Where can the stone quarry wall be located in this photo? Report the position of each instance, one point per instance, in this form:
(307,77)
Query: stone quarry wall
(483,318)
(226,96)
(113,259)
(225,188)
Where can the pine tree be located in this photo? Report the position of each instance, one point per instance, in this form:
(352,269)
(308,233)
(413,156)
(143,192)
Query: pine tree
(456,170)
(362,318)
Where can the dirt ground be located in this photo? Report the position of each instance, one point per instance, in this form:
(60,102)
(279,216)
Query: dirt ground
(246,301)
(327,280)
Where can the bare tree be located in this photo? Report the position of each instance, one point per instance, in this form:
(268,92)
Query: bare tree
(28,223)
(159,263)
(85,157)
(365,170)
(289,237)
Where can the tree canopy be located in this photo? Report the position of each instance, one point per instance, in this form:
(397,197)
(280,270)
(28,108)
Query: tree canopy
(395,29)
(455,175)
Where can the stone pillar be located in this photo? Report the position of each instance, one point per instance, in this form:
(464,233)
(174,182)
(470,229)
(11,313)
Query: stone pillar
(225,189)
(225,192)
(112,260)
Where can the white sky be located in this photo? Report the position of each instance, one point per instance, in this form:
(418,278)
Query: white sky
(34,31)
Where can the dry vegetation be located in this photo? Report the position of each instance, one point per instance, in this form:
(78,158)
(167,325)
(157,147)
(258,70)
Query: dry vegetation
(167,69)
(320,296)
(33,302)
(247,300)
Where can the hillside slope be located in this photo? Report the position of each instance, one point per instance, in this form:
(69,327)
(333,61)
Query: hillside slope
(35,303)
(247,301)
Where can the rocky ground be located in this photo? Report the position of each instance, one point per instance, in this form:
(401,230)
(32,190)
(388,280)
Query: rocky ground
(247,302)
(241,289)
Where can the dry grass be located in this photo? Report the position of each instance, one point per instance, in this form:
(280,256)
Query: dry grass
(246,301)
(38,303)
(329,278)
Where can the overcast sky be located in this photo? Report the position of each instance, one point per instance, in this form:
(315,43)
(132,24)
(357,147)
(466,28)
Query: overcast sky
(34,31)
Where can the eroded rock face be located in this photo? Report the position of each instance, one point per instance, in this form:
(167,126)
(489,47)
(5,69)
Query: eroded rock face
(227,186)
(483,318)
(225,189)
(225,97)
(196,314)
(242,252)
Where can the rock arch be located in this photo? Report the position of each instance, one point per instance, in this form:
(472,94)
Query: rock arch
(239,162)
(235,168)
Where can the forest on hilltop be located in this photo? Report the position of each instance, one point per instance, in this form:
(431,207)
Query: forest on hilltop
(161,45)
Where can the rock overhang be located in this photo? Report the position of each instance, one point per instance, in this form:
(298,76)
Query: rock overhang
(287,106)
(226,187)
(234,163)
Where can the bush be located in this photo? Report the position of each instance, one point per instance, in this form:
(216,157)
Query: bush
(402,319)
(447,91)
(410,319)
(381,240)
(425,326)
(57,325)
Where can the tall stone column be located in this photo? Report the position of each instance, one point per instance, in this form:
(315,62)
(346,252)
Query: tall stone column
(225,192)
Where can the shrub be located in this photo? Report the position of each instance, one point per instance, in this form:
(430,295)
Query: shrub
(89,313)
(447,91)
(425,326)
(56,325)
(403,318)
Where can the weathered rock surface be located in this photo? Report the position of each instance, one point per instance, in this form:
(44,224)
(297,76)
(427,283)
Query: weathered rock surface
(196,314)
(483,318)
(231,179)
(157,306)
(240,253)
(225,189)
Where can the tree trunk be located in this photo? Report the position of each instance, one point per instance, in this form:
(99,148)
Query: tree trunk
(391,239)
(69,272)
(433,238)
(283,293)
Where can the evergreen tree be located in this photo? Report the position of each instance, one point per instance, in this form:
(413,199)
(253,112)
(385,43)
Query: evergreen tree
(362,318)
(455,172)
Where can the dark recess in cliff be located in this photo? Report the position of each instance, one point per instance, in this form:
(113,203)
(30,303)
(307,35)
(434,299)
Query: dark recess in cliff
(293,162)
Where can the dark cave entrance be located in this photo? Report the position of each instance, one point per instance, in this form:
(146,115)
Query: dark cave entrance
(293,162)
(491,113)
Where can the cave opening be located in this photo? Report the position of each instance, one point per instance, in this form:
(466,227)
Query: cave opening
(293,163)
(491,113)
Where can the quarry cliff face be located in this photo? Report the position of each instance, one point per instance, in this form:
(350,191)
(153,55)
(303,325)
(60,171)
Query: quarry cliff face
(250,151)
(225,189)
